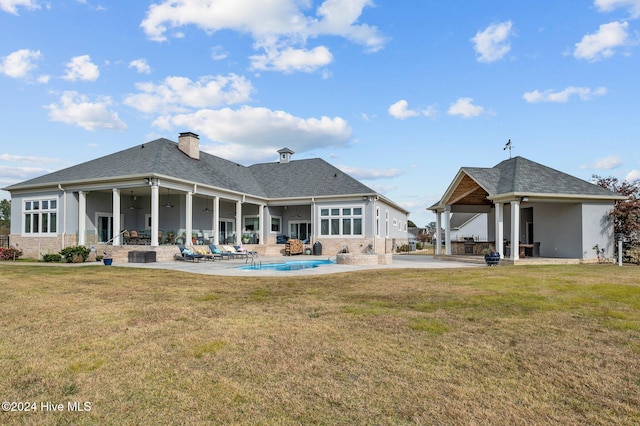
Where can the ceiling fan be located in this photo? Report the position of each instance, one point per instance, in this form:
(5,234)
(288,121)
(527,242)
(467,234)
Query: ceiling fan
(133,199)
(207,209)
(298,215)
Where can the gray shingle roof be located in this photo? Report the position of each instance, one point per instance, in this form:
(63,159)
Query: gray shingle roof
(306,178)
(460,219)
(299,178)
(521,176)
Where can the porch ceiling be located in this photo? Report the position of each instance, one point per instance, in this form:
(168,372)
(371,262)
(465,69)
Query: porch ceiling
(468,192)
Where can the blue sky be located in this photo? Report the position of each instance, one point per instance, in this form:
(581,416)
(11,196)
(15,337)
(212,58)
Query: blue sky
(400,94)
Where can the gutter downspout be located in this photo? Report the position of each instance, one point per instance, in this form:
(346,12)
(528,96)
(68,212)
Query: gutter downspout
(314,230)
(64,219)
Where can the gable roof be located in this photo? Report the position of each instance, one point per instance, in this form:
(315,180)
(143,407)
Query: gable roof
(459,220)
(162,157)
(518,177)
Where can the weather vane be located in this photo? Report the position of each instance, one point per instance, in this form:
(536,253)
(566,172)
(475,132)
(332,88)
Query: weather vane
(508,146)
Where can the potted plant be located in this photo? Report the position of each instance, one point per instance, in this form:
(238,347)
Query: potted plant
(107,259)
(491,257)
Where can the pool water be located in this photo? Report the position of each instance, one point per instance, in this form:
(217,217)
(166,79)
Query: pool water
(288,266)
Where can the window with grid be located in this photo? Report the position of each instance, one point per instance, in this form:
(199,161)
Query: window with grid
(41,216)
(343,221)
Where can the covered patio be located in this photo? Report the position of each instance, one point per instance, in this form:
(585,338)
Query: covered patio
(533,211)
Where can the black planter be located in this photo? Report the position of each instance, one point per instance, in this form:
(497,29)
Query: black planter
(492,259)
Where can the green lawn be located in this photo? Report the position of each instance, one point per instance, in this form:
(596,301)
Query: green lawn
(505,345)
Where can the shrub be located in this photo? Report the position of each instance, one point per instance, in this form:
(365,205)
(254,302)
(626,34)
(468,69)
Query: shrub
(75,254)
(10,253)
(404,248)
(52,257)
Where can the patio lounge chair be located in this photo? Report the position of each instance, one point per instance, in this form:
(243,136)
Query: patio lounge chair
(207,253)
(244,250)
(190,254)
(235,253)
(217,252)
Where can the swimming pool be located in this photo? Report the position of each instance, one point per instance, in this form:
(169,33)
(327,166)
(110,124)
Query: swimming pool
(288,266)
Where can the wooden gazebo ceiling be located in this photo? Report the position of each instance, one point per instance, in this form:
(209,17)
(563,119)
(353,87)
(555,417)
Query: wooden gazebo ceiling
(468,192)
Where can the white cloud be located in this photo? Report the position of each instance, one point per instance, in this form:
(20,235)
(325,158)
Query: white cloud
(81,68)
(465,108)
(20,63)
(140,65)
(218,53)
(27,159)
(611,5)
(339,18)
(21,172)
(602,44)
(633,175)
(179,94)
(400,110)
(606,163)
(77,109)
(11,6)
(370,174)
(289,59)
(238,132)
(584,93)
(491,44)
(280,28)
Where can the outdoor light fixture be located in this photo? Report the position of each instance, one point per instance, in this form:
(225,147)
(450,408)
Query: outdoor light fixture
(168,205)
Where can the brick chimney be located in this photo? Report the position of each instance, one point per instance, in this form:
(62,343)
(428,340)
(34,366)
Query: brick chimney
(189,143)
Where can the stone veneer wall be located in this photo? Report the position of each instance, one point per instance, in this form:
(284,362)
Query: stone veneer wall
(35,247)
(364,259)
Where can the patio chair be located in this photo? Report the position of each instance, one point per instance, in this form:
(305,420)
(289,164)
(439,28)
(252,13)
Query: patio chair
(189,254)
(244,250)
(207,253)
(235,253)
(125,237)
(133,237)
(223,254)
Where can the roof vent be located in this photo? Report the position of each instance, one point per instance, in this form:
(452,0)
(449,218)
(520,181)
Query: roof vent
(285,155)
(189,143)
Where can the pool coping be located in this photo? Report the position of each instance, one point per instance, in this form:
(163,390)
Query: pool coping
(231,268)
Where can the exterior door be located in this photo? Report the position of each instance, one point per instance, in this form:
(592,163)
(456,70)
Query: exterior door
(226,235)
(300,230)
(105,228)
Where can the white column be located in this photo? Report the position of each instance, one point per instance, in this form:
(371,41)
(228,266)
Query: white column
(262,232)
(499,213)
(155,210)
(438,233)
(82,217)
(238,221)
(188,218)
(117,238)
(447,230)
(216,220)
(515,230)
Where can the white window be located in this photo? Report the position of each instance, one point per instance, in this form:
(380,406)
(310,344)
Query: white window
(341,221)
(41,216)
(251,224)
(276,224)
(386,223)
